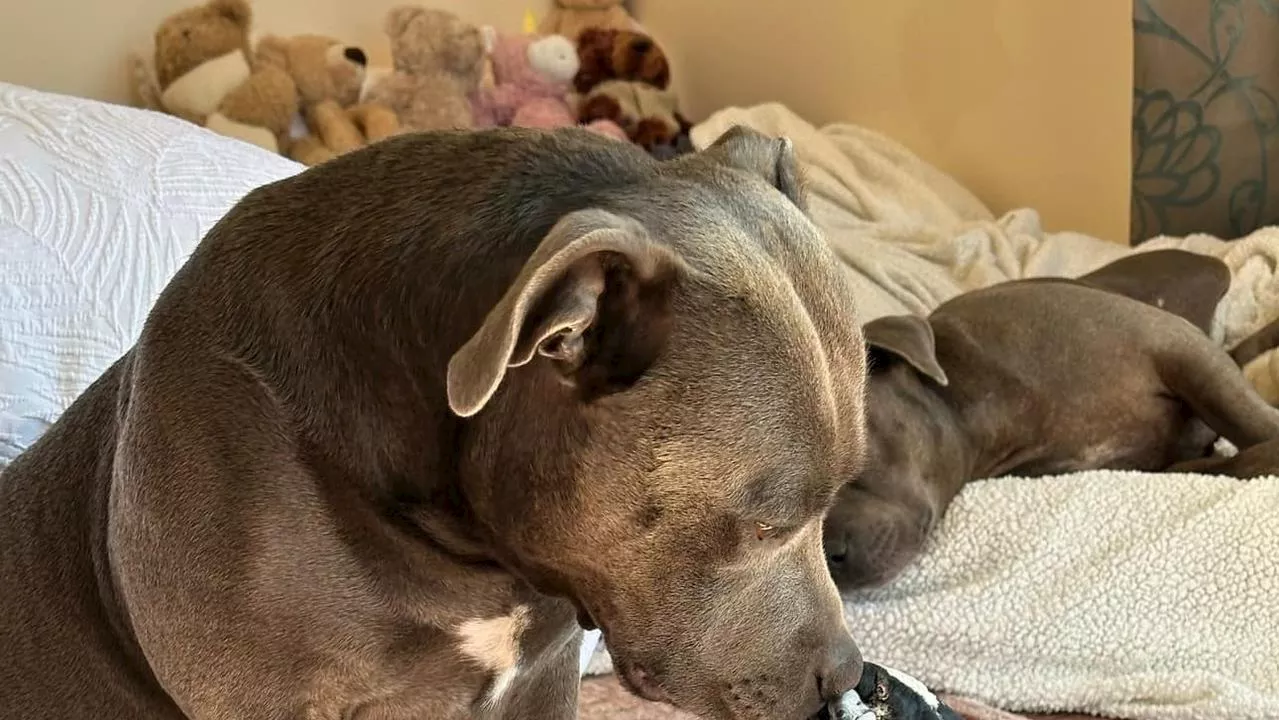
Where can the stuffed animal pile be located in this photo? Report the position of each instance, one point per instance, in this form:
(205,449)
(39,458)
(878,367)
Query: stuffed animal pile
(531,81)
(624,78)
(313,97)
(298,96)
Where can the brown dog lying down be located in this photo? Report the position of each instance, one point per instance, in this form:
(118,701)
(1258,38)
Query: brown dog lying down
(404,420)
(1038,377)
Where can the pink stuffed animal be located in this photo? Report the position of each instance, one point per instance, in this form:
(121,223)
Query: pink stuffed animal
(531,80)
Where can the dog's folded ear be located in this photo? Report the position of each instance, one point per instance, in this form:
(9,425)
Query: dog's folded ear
(1187,284)
(593,298)
(773,159)
(908,338)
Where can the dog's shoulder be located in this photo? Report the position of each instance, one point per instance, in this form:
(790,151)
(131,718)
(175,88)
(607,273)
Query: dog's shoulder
(514,158)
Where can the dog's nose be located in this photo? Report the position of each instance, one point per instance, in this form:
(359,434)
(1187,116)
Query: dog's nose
(355,55)
(841,670)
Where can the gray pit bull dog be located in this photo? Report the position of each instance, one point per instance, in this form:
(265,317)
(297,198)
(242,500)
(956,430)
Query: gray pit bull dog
(404,421)
(1043,376)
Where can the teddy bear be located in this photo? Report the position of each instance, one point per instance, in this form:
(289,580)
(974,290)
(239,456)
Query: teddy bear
(199,55)
(623,76)
(612,54)
(306,89)
(650,116)
(568,18)
(437,62)
(288,94)
(530,81)
(531,84)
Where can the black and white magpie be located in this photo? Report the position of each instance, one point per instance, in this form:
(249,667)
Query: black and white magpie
(887,694)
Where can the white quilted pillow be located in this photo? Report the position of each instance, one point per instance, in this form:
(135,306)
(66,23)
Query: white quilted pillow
(99,206)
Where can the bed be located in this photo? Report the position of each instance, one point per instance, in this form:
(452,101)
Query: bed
(1134,596)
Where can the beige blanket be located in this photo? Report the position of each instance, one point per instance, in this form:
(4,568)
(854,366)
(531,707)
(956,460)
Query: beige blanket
(913,237)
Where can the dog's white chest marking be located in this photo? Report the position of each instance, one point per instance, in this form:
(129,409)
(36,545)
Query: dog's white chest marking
(494,644)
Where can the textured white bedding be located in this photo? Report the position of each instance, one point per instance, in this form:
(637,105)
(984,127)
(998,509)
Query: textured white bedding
(99,205)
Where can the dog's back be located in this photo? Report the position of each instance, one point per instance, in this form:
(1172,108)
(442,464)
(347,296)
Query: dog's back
(1088,377)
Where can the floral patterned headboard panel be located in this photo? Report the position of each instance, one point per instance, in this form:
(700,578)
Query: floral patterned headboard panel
(1204,117)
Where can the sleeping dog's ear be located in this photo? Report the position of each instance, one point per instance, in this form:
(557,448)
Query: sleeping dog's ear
(593,298)
(1187,284)
(773,159)
(908,338)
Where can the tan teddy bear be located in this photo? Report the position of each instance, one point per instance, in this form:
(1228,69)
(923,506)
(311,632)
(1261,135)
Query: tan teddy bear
(305,90)
(439,61)
(324,119)
(199,58)
(295,96)
(570,17)
(200,55)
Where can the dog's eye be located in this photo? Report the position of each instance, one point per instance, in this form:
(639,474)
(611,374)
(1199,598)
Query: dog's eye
(764,530)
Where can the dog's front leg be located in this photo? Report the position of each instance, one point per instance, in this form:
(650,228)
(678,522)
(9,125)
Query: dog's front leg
(549,691)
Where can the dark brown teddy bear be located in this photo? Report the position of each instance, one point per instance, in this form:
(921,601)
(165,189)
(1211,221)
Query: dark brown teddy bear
(611,54)
(623,76)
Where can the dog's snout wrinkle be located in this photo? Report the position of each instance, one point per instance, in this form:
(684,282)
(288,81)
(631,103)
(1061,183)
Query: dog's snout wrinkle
(754,697)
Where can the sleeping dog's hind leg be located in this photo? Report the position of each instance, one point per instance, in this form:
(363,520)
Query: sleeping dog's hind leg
(1204,376)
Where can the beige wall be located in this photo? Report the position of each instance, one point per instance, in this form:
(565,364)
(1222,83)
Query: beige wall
(1026,102)
(79,47)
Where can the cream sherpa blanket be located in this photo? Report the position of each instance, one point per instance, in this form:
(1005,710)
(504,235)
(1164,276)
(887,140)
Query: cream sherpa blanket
(1121,594)
(1126,595)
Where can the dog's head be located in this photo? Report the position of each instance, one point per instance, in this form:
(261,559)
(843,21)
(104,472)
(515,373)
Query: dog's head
(662,407)
(880,520)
